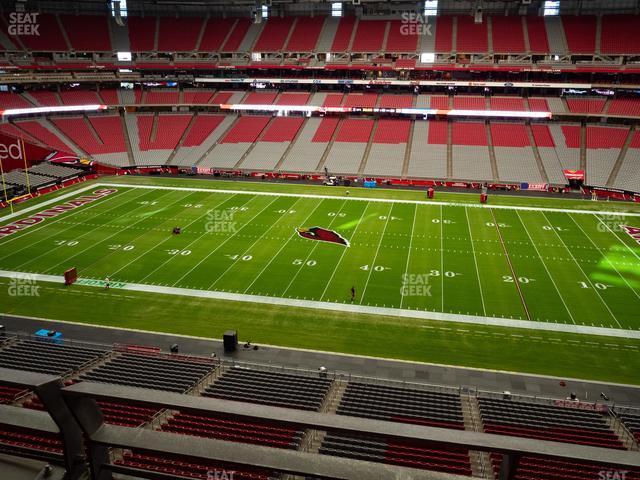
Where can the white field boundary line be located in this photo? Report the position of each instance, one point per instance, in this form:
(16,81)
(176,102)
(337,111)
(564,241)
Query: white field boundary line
(340,354)
(49,202)
(365,199)
(531,197)
(347,307)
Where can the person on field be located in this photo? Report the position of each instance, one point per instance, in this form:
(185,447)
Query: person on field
(106,283)
(353,294)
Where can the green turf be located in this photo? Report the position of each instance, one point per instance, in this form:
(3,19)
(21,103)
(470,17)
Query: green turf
(559,354)
(562,267)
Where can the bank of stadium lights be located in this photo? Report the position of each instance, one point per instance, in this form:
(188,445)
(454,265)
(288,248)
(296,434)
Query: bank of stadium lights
(124,56)
(430,8)
(551,8)
(336,9)
(427,57)
(12,112)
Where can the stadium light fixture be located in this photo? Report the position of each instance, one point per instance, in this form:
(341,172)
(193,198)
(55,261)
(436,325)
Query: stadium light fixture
(427,57)
(119,11)
(119,7)
(308,109)
(551,8)
(430,8)
(12,112)
(336,9)
(124,56)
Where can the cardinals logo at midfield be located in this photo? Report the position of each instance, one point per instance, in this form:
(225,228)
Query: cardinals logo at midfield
(323,235)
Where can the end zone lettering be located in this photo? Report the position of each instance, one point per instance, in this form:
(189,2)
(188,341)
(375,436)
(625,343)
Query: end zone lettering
(633,232)
(54,212)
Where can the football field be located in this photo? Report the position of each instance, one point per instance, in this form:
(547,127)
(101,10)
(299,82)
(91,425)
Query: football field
(506,263)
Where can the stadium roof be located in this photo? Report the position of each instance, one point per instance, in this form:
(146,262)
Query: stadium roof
(304,7)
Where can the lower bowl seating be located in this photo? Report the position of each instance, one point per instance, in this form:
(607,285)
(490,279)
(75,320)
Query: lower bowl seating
(397,452)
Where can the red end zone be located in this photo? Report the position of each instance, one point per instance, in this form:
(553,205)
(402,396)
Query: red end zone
(54,212)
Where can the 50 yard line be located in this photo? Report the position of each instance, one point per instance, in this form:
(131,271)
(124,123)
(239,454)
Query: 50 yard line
(335,269)
(248,249)
(313,249)
(284,244)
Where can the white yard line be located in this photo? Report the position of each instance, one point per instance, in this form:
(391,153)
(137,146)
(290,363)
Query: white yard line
(514,275)
(350,308)
(61,217)
(375,257)
(618,237)
(313,249)
(344,251)
(605,257)
(102,239)
(61,234)
(284,244)
(171,257)
(246,250)
(441,258)
(381,200)
(406,267)
(475,261)
(49,202)
(223,243)
(583,272)
(545,267)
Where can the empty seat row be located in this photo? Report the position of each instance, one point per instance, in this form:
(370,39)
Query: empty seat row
(9,394)
(47,357)
(25,438)
(270,388)
(531,467)
(402,405)
(185,467)
(631,419)
(396,452)
(148,371)
(259,433)
(548,422)
(56,171)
